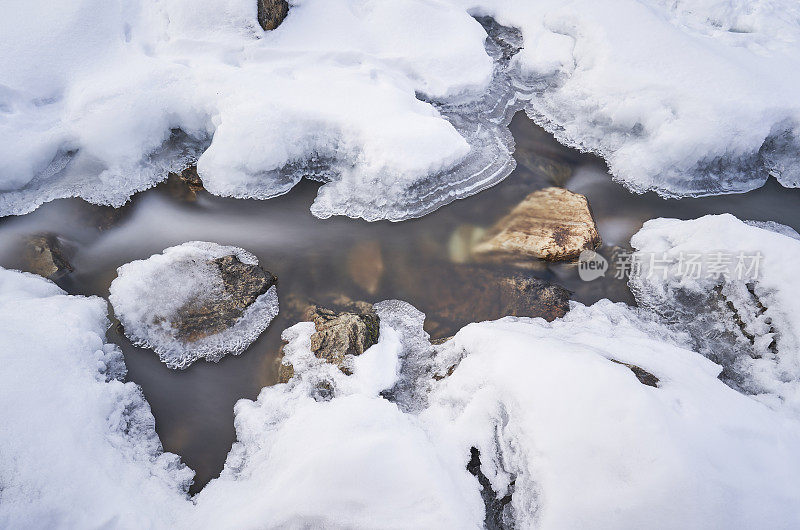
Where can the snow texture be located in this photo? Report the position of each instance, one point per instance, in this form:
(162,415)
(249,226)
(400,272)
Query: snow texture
(400,107)
(567,436)
(148,294)
(78,447)
(749,324)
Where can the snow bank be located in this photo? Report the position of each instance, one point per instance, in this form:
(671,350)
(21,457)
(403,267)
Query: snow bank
(749,323)
(400,106)
(78,447)
(150,297)
(568,437)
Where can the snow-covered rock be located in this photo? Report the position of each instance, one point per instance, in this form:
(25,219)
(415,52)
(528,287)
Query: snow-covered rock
(195,300)
(734,287)
(400,106)
(78,447)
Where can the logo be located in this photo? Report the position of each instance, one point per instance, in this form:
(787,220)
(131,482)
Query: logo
(591,265)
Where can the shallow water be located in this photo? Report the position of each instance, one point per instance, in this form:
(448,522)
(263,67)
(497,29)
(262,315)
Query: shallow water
(412,260)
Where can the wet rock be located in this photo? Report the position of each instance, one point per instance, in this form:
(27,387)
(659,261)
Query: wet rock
(242,284)
(644,377)
(46,255)
(552,224)
(184,185)
(365,265)
(271,13)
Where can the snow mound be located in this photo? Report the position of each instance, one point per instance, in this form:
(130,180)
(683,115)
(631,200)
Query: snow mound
(78,447)
(545,409)
(400,107)
(747,320)
(150,297)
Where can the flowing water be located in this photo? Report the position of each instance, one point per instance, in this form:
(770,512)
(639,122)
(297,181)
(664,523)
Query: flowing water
(413,260)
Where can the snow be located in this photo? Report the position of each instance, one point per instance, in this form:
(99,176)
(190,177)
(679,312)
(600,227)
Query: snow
(149,294)
(761,354)
(101,99)
(79,448)
(572,438)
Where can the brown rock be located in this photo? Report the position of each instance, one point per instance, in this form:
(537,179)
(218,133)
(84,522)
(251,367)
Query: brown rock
(243,283)
(644,377)
(552,224)
(348,329)
(271,13)
(184,185)
(365,265)
(45,255)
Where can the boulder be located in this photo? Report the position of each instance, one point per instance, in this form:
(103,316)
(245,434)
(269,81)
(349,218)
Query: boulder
(349,329)
(552,224)
(242,284)
(271,13)
(184,185)
(45,255)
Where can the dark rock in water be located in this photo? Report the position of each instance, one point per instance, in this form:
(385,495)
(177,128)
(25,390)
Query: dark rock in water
(350,328)
(242,283)
(184,185)
(496,515)
(474,293)
(271,13)
(46,255)
(644,377)
(552,224)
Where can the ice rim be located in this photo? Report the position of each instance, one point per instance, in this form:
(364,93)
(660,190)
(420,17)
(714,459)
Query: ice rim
(177,354)
(482,121)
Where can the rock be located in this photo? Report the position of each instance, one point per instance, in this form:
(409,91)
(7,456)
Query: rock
(45,255)
(365,265)
(184,185)
(271,13)
(341,333)
(552,224)
(644,377)
(349,329)
(242,284)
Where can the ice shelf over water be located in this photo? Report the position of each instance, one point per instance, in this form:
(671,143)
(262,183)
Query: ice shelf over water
(500,425)
(400,107)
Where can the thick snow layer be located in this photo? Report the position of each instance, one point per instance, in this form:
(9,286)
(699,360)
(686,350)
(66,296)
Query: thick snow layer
(78,448)
(148,294)
(400,106)
(566,438)
(749,323)
(575,439)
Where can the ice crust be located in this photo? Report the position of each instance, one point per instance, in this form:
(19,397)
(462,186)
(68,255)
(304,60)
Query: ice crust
(750,326)
(78,447)
(147,295)
(401,106)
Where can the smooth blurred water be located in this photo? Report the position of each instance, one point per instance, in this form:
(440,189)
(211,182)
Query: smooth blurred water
(194,408)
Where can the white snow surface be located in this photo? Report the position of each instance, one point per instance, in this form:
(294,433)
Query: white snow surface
(575,439)
(761,353)
(148,294)
(400,106)
(78,447)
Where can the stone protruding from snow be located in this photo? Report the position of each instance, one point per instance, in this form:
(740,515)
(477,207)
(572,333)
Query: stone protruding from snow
(553,224)
(195,300)
(271,13)
(45,255)
(347,330)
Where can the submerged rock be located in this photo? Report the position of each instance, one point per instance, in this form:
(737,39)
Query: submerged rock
(271,13)
(365,265)
(349,329)
(45,255)
(195,300)
(551,224)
